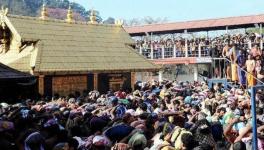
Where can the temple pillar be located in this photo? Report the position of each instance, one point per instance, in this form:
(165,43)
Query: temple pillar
(186,47)
(195,72)
(133,79)
(151,51)
(140,50)
(41,85)
(199,51)
(163,52)
(95,81)
(174,51)
(160,75)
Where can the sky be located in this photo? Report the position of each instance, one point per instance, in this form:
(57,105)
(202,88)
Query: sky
(174,10)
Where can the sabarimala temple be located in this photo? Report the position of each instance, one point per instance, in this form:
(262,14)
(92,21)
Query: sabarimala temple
(67,56)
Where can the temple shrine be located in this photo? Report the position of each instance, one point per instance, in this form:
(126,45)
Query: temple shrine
(68,56)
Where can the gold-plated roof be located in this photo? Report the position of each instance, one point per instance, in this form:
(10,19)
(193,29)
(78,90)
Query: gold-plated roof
(77,47)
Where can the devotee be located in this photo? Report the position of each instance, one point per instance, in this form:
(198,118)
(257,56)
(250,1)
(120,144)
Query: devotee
(158,115)
(250,65)
(241,60)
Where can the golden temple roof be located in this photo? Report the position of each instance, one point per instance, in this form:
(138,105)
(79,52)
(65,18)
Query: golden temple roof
(77,47)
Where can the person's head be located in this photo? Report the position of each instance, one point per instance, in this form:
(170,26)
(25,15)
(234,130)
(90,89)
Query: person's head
(167,97)
(138,141)
(162,106)
(128,118)
(114,101)
(187,141)
(239,146)
(73,144)
(249,57)
(220,145)
(259,111)
(232,106)
(34,141)
(222,111)
(143,106)
(240,51)
(61,146)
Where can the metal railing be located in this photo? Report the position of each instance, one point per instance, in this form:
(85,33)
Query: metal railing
(168,52)
(219,70)
(146,52)
(172,51)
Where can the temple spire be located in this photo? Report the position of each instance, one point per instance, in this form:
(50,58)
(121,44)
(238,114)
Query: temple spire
(119,22)
(93,17)
(69,15)
(44,13)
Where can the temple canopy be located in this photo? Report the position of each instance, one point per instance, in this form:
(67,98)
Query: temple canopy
(197,25)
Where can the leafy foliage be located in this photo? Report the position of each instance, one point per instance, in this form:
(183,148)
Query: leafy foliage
(58,9)
(33,7)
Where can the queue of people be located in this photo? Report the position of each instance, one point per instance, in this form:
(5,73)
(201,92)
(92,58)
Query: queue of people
(241,56)
(165,115)
(209,46)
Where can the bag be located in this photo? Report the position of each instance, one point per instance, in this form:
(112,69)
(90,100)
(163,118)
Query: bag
(176,137)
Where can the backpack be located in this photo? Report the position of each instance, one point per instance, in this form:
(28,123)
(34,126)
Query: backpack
(176,136)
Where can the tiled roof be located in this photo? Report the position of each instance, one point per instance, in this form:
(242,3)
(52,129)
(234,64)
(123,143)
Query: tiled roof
(78,47)
(198,25)
(22,64)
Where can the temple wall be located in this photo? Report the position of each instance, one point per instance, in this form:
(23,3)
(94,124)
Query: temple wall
(65,85)
(68,84)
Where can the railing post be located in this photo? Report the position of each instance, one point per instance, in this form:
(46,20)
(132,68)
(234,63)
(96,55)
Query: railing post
(174,51)
(140,50)
(186,44)
(199,50)
(151,51)
(254,119)
(163,52)
(186,48)
(160,75)
(195,70)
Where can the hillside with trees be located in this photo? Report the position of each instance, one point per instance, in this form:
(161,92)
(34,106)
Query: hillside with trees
(58,9)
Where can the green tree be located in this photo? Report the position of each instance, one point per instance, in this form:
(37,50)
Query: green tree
(33,7)
(109,20)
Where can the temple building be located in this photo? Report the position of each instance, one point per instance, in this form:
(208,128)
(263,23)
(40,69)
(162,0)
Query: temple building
(68,56)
